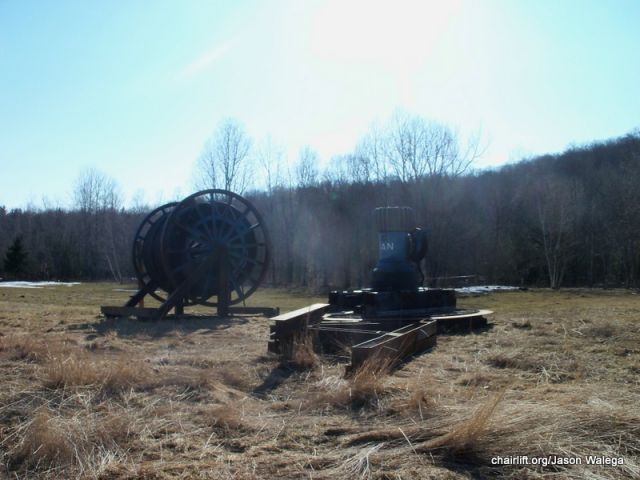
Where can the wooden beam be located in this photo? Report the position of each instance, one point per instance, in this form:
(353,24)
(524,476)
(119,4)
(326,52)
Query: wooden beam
(463,322)
(396,345)
(298,319)
(138,297)
(286,325)
(149,312)
(266,311)
(317,309)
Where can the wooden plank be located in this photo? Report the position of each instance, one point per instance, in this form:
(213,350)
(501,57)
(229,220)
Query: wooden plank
(317,309)
(462,323)
(397,345)
(286,325)
(481,313)
(266,311)
(290,322)
(149,312)
(362,325)
(138,297)
(323,328)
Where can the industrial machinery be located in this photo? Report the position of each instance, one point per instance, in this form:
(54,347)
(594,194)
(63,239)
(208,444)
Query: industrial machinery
(211,244)
(396,317)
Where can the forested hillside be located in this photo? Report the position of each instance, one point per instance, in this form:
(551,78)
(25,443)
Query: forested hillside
(558,220)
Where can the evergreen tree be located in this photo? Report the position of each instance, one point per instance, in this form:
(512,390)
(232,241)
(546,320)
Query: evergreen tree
(16,258)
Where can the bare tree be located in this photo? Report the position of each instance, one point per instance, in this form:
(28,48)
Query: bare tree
(418,148)
(337,171)
(95,191)
(557,205)
(138,203)
(372,151)
(224,161)
(306,168)
(99,199)
(351,168)
(359,168)
(404,147)
(270,156)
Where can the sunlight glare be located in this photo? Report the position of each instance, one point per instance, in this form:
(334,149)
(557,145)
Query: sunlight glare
(396,34)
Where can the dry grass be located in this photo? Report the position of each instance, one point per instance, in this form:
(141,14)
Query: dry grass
(110,377)
(517,428)
(227,418)
(602,331)
(53,443)
(81,398)
(44,444)
(363,387)
(519,361)
(475,379)
(526,325)
(367,382)
(466,437)
(22,348)
(299,353)
(70,372)
(419,401)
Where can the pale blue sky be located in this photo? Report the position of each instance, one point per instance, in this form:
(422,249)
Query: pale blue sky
(134,88)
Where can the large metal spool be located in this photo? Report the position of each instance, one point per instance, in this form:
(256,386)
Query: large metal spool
(212,243)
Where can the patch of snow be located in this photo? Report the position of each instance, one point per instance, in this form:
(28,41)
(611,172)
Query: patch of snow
(479,289)
(21,284)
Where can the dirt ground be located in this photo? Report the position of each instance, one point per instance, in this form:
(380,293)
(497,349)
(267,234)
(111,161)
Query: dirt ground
(551,386)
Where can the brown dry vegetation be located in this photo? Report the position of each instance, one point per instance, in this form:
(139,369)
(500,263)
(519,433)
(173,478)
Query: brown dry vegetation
(83,397)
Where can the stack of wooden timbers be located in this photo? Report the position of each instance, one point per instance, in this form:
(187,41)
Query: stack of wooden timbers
(395,339)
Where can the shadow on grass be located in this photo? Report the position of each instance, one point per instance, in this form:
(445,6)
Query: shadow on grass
(471,465)
(276,377)
(463,330)
(126,327)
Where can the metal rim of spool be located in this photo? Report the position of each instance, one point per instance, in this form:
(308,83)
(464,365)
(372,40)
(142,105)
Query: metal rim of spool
(203,222)
(141,236)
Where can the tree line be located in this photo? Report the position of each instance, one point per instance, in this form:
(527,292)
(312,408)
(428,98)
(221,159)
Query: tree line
(569,219)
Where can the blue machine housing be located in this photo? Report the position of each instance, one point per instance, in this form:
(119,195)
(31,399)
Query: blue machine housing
(401,247)
(394,270)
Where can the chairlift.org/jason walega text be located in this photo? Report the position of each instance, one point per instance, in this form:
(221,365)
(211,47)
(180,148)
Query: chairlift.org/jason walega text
(557,460)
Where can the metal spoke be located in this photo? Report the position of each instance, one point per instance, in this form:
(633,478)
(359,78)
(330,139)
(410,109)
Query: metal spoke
(192,231)
(181,267)
(206,221)
(238,289)
(251,245)
(241,234)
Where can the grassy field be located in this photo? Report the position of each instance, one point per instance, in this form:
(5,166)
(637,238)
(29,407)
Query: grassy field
(556,376)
